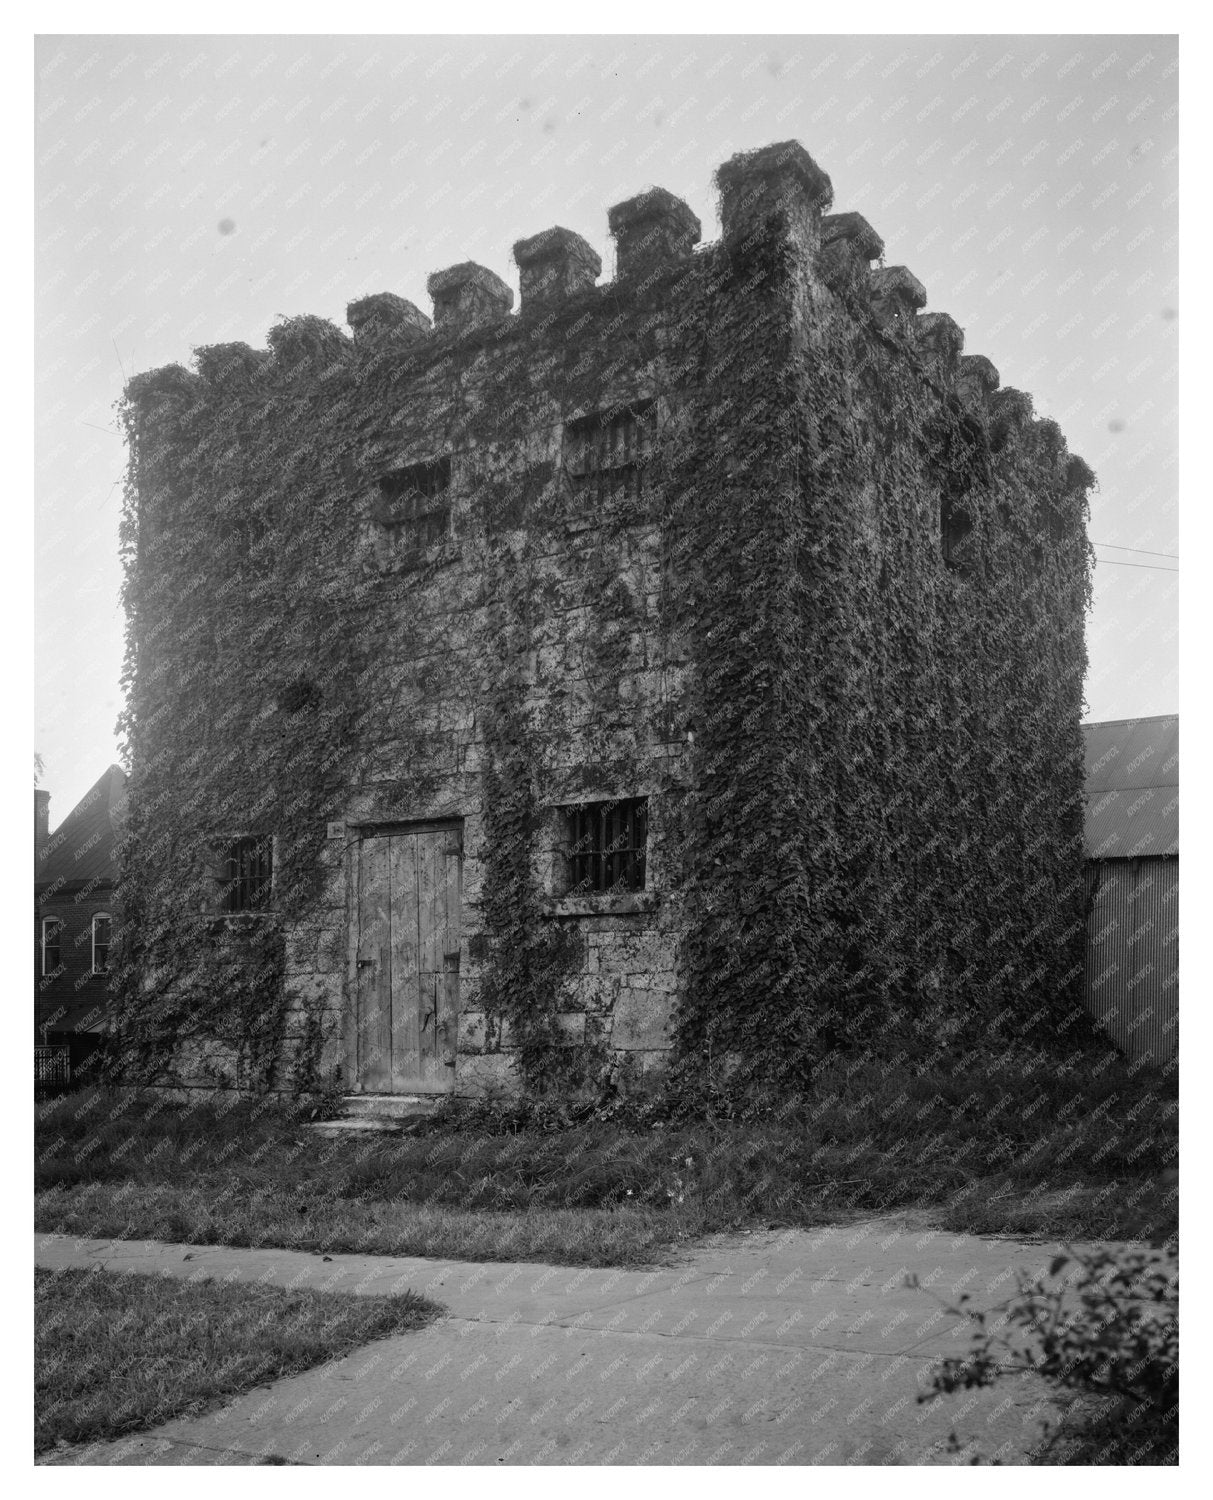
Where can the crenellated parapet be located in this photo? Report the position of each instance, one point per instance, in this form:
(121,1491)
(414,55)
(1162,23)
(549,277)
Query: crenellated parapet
(776,190)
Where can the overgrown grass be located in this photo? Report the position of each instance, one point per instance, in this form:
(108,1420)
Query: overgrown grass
(117,1353)
(1002,1145)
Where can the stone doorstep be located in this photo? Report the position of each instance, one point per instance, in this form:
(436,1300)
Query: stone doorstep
(390,1106)
(386,1113)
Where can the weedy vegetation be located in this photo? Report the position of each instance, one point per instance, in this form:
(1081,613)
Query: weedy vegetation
(1015,1144)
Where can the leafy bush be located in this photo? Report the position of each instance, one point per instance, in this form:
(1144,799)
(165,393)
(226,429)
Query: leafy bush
(1107,1337)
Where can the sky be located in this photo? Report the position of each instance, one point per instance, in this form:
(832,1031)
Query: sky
(190,190)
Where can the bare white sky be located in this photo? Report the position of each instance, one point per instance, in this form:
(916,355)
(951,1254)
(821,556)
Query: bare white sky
(194,189)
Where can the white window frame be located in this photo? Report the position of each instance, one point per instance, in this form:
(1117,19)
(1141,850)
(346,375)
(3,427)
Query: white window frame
(46,922)
(100,916)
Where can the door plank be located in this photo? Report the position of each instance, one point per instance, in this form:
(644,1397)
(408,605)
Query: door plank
(431,903)
(374,967)
(448,1011)
(407,992)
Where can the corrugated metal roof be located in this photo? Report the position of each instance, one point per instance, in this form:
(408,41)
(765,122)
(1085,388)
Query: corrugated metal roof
(1132,787)
(82,847)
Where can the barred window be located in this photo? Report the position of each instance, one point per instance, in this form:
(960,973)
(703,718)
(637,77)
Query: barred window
(101,943)
(606,453)
(414,504)
(247,875)
(52,932)
(607,846)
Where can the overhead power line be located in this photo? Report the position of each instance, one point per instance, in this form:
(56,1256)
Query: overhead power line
(1115,562)
(1145,551)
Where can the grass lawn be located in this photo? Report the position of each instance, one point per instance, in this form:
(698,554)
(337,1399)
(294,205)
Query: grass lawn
(998,1145)
(118,1353)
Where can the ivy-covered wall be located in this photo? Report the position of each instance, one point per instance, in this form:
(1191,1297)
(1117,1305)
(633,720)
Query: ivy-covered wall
(834,635)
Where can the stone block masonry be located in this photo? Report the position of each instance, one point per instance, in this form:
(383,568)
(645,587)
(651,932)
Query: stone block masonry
(683,669)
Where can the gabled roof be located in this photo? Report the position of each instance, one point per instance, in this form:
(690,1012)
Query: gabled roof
(82,847)
(1132,787)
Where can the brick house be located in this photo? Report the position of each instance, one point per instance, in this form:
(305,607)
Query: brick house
(687,667)
(75,915)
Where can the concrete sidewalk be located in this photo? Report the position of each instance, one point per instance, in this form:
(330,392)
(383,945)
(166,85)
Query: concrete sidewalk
(795,1347)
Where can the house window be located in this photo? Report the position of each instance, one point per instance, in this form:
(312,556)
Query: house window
(52,931)
(414,504)
(607,846)
(247,875)
(605,454)
(101,943)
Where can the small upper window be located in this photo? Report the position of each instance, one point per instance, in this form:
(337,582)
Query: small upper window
(606,453)
(414,504)
(955,526)
(607,845)
(52,931)
(247,875)
(101,943)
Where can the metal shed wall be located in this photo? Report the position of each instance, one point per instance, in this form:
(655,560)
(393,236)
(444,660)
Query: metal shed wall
(1132,973)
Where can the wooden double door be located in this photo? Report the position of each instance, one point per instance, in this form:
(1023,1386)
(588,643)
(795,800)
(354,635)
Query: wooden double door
(407,958)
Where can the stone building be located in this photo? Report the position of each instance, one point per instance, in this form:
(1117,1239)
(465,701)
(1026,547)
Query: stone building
(687,667)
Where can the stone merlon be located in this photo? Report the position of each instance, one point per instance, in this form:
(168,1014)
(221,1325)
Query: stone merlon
(897,293)
(303,340)
(652,230)
(853,231)
(168,381)
(384,313)
(780,179)
(554,266)
(941,337)
(848,246)
(467,296)
(977,374)
(219,364)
